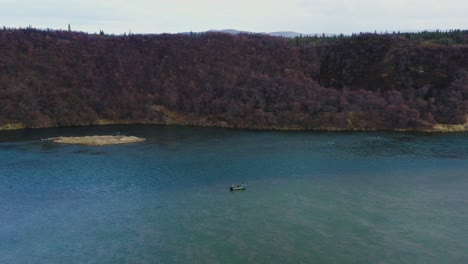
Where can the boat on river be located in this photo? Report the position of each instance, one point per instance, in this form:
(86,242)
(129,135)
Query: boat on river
(237,187)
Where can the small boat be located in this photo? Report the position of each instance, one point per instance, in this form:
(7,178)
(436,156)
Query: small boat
(238,187)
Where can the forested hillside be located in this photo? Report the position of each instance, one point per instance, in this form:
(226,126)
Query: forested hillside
(366,81)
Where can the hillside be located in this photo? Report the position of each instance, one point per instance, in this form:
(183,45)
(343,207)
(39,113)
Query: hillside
(389,82)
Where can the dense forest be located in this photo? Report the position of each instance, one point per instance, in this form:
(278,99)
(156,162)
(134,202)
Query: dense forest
(363,81)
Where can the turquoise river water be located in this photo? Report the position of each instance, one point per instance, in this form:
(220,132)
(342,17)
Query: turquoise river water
(311,197)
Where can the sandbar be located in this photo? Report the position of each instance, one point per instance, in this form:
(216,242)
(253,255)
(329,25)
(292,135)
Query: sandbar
(97,140)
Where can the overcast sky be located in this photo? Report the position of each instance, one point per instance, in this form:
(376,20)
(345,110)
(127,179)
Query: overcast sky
(306,16)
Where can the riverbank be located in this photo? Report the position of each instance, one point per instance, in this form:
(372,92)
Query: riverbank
(97,140)
(438,128)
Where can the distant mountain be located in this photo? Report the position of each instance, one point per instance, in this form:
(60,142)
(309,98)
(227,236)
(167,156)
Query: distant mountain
(287,34)
(229,31)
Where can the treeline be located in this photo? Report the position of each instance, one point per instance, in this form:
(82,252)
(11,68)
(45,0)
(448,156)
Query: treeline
(61,78)
(448,37)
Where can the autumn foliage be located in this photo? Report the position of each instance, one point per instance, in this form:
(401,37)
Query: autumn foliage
(59,78)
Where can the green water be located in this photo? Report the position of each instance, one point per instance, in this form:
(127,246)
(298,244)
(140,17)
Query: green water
(311,197)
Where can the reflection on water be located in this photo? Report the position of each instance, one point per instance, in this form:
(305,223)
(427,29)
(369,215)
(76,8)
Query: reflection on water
(311,197)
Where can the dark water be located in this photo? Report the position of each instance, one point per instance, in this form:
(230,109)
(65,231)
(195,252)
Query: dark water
(311,197)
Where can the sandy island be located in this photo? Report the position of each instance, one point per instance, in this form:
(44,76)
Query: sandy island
(97,140)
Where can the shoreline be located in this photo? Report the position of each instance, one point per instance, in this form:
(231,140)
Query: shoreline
(438,128)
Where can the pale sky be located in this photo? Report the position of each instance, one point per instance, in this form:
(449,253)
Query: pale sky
(172,16)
